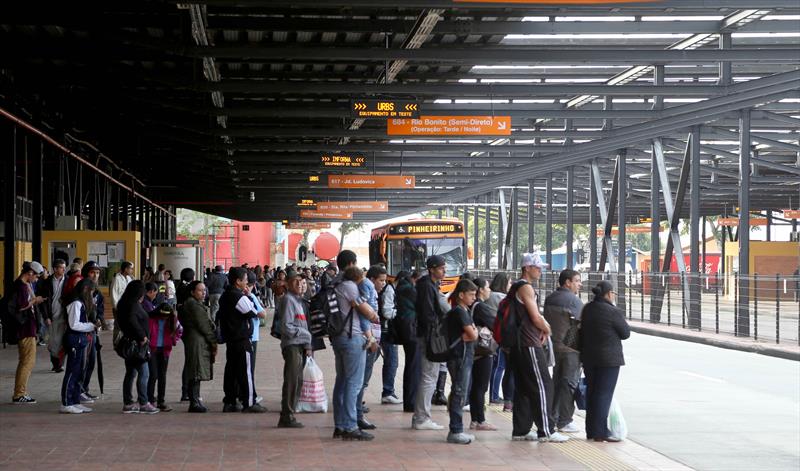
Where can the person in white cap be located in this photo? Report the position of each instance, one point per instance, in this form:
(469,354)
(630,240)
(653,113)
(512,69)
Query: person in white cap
(533,393)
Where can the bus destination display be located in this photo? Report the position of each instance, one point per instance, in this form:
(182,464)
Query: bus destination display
(384,109)
(422,228)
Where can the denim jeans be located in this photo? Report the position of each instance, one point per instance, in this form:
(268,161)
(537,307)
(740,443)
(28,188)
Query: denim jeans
(389,367)
(141,371)
(460,368)
(351,359)
(501,374)
(370,362)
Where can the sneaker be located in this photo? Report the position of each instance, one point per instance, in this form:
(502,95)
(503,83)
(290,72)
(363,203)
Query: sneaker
(569,428)
(58,370)
(358,435)
(459,438)
(41,343)
(131,409)
(466,408)
(293,423)
(198,408)
(70,410)
(163,407)
(83,408)
(482,426)
(391,399)
(254,409)
(439,399)
(148,409)
(508,407)
(495,401)
(364,408)
(231,408)
(184,398)
(337,433)
(427,425)
(258,399)
(554,437)
(91,396)
(24,400)
(85,399)
(608,439)
(364,424)
(529,437)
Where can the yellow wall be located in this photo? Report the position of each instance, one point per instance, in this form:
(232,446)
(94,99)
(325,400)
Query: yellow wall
(132,241)
(766,259)
(22,251)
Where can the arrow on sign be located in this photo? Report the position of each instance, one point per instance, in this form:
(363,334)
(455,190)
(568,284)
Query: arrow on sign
(501,126)
(411,107)
(360,106)
(408,181)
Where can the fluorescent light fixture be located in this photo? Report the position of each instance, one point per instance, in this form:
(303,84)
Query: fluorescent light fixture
(599,36)
(541,19)
(682,18)
(596,18)
(767,35)
(781,17)
(534,100)
(478,101)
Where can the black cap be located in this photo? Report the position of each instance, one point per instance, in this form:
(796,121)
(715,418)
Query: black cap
(89,266)
(331,266)
(291,274)
(435,261)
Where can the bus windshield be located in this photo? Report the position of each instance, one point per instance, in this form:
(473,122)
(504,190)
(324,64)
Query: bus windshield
(410,254)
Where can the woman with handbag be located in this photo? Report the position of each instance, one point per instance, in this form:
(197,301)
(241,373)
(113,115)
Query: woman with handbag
(79,309)
(199,342)
(133,323)
(485,349)
(461,335)
(602,329)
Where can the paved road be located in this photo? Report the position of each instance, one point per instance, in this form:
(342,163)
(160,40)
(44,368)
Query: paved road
(711,408)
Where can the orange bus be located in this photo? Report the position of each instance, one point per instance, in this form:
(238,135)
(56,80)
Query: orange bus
(406,245)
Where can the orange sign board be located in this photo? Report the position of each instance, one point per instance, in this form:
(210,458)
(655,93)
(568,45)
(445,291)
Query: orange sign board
(628,230)
(354,206)
(791,213)
(317,214)
(371,181)
(558,2)
(450,126)
(308,225)
(735,221)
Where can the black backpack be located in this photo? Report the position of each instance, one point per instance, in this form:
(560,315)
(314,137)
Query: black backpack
(9,320)
(508,323)
(326,318)
(438,347)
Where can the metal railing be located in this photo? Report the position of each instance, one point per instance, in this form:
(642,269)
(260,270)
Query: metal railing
(759,306)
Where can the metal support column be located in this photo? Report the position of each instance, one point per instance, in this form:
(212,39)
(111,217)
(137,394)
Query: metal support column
(466,235)
(570,205)
(694,228)
(475,238)
(655,239)
(622,175)
(37,193)
(502,226)
(514,220)
(9,140)
(531,209)
(548,224)
(606,214)
(743,308)
(592,222)
(725,70)
(487,239)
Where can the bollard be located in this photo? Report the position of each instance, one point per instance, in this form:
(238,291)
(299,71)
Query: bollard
(641,295)
(683,300)
(669,303)
(778,309)
(736,305)
(628,297)
(755,306)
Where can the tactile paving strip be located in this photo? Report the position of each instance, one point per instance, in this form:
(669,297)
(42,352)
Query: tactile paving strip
(579,450)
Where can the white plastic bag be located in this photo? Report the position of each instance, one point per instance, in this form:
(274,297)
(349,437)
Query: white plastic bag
(313,397)
(616,421)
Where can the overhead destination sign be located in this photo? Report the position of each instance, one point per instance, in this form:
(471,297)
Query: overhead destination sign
(371,181)
(735,221)
(343,160)
(384,109)
(426,228)
(450,126)
(791,213)
(318,214)
(355,206)
(628,230)
(308,225)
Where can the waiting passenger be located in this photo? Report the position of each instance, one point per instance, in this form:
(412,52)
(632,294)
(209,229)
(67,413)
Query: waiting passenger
(483,316)
(164,333)
(76,340)
(295,347)
(200,343)
(461,333)
(133,324)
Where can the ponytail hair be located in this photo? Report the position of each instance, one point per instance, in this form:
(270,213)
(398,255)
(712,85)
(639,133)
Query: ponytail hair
(602,288)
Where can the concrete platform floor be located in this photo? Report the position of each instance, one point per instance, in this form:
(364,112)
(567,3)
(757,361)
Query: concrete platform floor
(37,437)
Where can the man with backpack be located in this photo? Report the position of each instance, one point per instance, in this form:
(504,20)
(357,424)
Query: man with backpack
(216,284)
(562,310)
(431,306)
(22,308)
(524,332)
(349,346)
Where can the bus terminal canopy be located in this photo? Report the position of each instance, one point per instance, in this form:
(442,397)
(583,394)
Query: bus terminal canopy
(245,109)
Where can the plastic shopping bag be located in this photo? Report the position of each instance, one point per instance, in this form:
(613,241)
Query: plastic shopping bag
(580,394)
(313,397)
(616,421)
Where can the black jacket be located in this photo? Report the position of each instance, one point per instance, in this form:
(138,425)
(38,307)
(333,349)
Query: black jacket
(603,327)
(133,324)
(427,304)
(235,325)
(216,282)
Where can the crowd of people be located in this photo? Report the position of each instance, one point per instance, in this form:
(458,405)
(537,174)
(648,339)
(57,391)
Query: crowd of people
(365,316)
